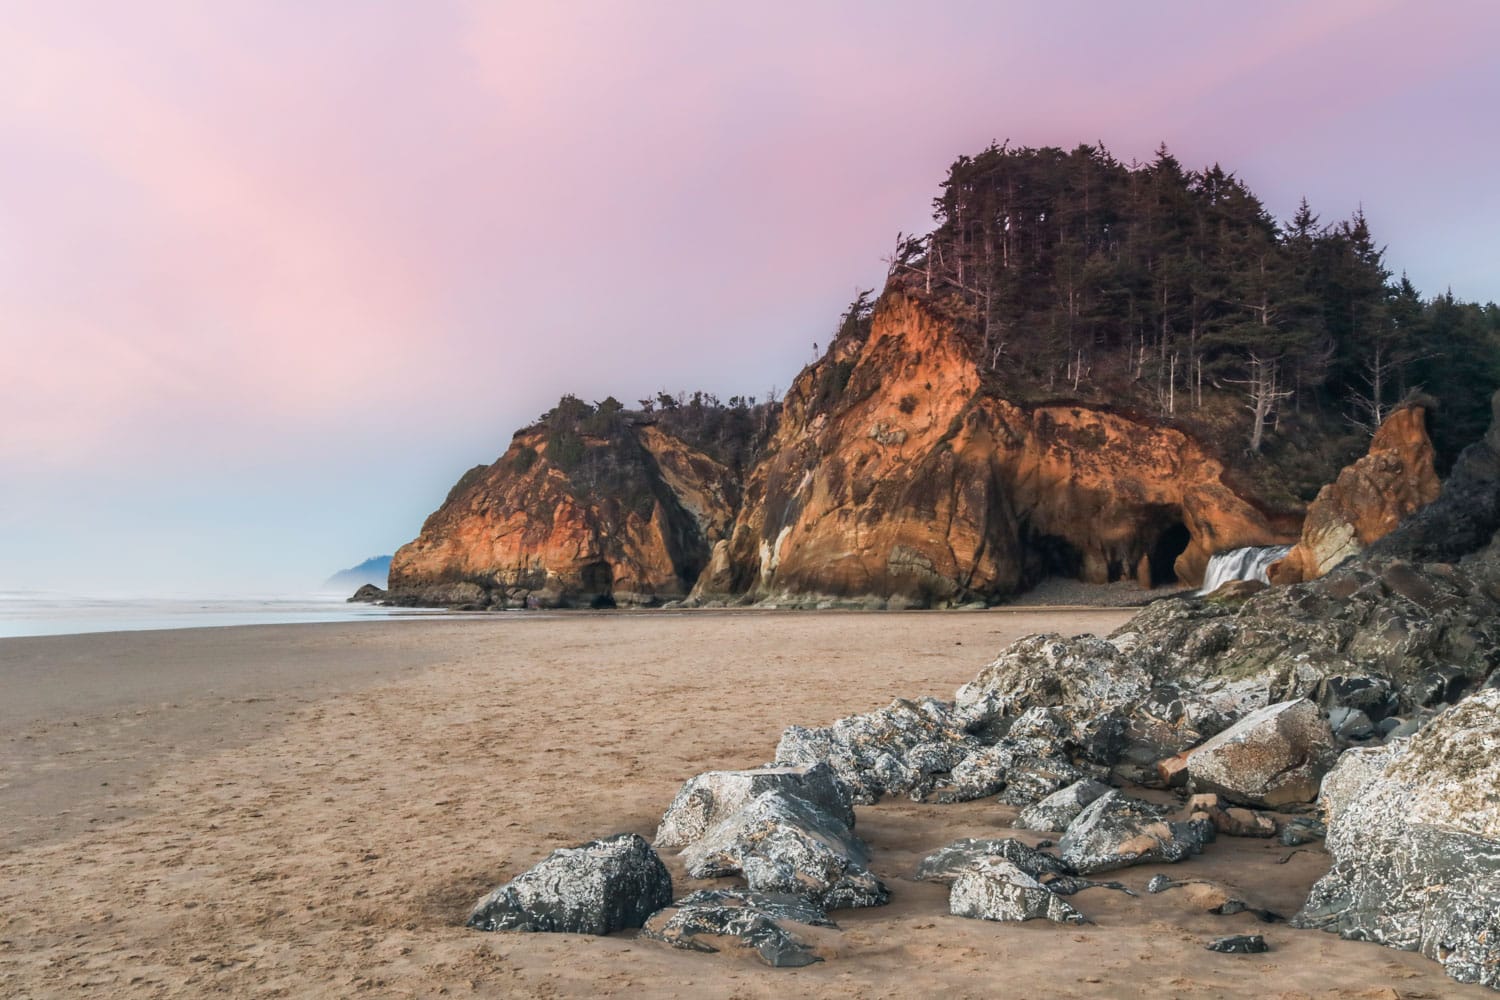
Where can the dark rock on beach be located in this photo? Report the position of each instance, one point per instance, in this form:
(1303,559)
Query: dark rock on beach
(742,918)
(1116,831)
(595,888)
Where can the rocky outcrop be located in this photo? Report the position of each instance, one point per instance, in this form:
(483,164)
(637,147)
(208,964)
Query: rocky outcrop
(746,919)
(367,594)
(908,748)
(1273,757)
(568,520)
(595,888)
(895,477)
(893,474)
(1368,500)
(1414,831)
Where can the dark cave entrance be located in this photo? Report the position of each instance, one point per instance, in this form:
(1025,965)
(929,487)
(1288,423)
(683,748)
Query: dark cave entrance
(598,581)
(1047,556)
(1171,543)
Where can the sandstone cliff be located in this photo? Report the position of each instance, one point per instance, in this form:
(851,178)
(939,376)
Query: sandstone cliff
(562,521)
(1367,501)
(894,475)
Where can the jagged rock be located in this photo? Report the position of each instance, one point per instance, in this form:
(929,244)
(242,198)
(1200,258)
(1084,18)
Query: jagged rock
(1301,830)
(535,530)
(782,843)
(367,594)
(1084,682)
(1464,518)
(1414,832)
(1115,831)
(1062,807)
(1350,724)
(1160,883)
(907,748)
(996,889)
(595,888)
(1367,501)
(946,863)
(710,797)
(746,918)
(1272,757)
(1239,944)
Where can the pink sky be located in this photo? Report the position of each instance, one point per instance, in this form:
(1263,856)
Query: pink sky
(273,274)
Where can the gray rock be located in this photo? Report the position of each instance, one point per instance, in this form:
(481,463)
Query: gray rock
(1116,831)
(947,863)
(1272,757)
(748,919)
(1020,770)
(996,889)
(1084,683)
(709,798)
(907,748)
(1239,944)
(1160,883)
(1414,833)
(1062,807)
(1350,724)
(595,888)
(1301,830)
(781,843)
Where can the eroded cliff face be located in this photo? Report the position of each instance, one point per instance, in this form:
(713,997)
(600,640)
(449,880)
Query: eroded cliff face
(1368,500)
(893,476)
(630,520)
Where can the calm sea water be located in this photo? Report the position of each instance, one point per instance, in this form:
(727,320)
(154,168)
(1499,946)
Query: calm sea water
(36,613)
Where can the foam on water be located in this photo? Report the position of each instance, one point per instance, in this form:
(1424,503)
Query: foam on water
(28,613)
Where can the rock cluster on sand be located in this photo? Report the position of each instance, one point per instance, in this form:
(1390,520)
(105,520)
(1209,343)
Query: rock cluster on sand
(1373,690)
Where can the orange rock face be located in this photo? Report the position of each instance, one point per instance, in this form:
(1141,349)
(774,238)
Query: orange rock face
(1369,498)
(527,532)
(892,476)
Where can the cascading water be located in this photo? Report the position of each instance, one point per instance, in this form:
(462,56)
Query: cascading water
(1249,563)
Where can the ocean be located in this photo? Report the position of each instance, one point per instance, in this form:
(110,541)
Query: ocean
(26,613)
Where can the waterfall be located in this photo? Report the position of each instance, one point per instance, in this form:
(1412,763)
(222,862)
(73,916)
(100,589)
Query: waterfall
(1241,564)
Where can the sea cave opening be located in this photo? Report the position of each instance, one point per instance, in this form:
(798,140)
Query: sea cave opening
(1170,543)
(598,580)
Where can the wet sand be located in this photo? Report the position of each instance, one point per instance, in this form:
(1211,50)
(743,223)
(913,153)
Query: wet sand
(312,810)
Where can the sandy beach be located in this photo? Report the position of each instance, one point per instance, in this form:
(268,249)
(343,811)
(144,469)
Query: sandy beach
(312,810)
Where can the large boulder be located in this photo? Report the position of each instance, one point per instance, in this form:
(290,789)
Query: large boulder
(1116,831)
(741,917)
(782,843)
(711,797)
(907,748)
(595,888)
(1369,499)
(1414,831)
(1273,757)
(996,889)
